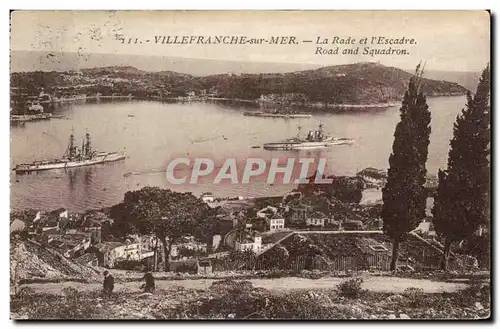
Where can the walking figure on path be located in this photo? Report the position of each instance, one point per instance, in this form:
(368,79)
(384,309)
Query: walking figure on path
(150,282)
(109,283)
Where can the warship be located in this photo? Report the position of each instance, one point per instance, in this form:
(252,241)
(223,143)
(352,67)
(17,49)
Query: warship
(73,157)
(315,139)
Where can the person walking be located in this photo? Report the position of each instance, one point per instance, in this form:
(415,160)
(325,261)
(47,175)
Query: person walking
(150,282)
(109,283)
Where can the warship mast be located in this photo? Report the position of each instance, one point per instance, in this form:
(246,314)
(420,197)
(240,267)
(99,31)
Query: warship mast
(88,146)
(71,146)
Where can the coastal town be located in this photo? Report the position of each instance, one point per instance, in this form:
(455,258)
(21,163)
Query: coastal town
(316,231)
(244,224)
(243,183)
(321,230)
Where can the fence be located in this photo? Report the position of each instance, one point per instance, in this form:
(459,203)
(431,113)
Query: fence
(379,262)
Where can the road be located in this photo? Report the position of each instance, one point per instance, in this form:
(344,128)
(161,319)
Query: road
(373,283)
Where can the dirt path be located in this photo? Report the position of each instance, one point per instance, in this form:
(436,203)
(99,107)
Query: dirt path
(376,284)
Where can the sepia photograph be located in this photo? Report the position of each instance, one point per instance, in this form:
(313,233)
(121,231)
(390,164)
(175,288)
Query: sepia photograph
(250,165)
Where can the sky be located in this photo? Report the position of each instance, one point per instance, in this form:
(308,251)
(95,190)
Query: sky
(446,40)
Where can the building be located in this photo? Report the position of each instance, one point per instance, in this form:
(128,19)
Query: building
(70,245)
(276,223)
(267,212)
(423,228)
(207,197)
(61,213)
(149,242)
(216,240)
(204,267)
(94,227)
(298,214)
(273,217)
(110,253)
(373,176)
(352,225)
(333,224)
(53,221)
(50,224)
(187,244)
(107,253)
(316,221)
(253,243)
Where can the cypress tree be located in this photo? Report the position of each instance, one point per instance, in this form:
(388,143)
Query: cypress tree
(404,195)
(462,200)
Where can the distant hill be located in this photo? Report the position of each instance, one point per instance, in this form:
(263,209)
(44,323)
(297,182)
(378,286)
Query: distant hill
(352,84)
(360,83)
(26,61)
(467,79)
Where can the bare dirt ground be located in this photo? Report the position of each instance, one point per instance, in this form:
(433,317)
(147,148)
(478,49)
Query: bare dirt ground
(374,283)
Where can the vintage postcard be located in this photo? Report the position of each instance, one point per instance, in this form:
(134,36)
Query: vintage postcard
(250,165)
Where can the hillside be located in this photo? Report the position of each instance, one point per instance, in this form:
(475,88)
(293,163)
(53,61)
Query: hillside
(360,83)
(467,79)
(353,84)
(30,261)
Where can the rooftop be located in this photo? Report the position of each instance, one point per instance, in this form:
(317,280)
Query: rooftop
(86,258)
(108,246)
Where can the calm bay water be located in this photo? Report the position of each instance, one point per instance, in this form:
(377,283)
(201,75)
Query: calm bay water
(152,134)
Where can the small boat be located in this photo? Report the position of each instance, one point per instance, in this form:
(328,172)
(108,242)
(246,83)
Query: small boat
(30,117)
(131,115)
(35,113)
(276,115)
(256,147)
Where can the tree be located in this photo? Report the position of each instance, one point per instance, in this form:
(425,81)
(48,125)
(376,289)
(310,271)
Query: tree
(404,195)
(277,257)
(343,188)
(168,215)
(462,201)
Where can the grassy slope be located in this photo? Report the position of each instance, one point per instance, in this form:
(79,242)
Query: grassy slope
(30,261)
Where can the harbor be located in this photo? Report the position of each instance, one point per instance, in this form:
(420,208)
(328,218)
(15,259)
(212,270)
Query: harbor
(126,127)
(263,165)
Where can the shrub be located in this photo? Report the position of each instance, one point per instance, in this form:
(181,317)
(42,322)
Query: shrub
(414,297)
(236,298)
(230,285)
(350,288)
(276,273)
(73,305)
(186,268)
(476,291)
(129,265)
(239,300)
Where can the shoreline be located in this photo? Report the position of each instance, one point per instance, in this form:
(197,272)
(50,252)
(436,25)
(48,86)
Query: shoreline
(308,107)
